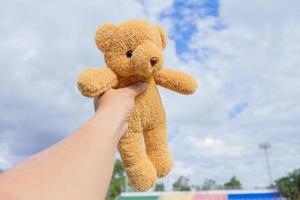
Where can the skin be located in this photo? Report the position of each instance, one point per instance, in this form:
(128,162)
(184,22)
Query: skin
(80,166)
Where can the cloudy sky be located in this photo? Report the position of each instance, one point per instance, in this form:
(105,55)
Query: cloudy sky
(244,54)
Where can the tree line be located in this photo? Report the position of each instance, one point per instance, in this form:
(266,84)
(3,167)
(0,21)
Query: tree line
(182,184)
(119,183)
(288,186)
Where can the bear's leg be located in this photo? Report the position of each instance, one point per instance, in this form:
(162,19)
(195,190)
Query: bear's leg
(140,170)
(157,149)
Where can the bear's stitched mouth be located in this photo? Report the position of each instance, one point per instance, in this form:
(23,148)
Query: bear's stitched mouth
(147,71)
(146,67)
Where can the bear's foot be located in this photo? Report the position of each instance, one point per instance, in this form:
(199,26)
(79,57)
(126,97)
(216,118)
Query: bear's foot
(162,161)
(142,176)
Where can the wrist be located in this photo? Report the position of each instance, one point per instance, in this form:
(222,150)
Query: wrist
(112,114)
(112,126)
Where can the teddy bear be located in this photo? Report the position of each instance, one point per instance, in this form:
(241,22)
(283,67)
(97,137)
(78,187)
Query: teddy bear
(133,52)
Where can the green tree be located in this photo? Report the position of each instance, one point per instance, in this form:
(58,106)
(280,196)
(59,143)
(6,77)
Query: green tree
(159,187)
(117,182)
(209,184)
(233,183)
(289,186)
(182,184)
(196,188)
(129,187)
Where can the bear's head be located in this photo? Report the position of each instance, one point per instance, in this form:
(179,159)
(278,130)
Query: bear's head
(132,48)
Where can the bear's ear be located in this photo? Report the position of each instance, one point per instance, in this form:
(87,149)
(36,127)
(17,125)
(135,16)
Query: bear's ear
(103,36)
(163,36)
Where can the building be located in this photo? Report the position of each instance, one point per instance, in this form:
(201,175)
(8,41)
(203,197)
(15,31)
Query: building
(204,195)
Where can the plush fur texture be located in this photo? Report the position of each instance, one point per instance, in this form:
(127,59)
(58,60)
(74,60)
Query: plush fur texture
(129,50)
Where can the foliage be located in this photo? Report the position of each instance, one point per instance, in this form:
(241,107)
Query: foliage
(209,184)
(196,188)
(233,183)
(182,184)
(117,182)
(289,186)
(159,187)
(129,187)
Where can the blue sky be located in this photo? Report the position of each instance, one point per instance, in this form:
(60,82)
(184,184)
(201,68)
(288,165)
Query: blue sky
(246,66)
(237,109)
(185,24)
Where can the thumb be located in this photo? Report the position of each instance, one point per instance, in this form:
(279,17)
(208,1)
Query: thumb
(135,89)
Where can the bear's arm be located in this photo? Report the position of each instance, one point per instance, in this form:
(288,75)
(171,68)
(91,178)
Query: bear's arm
(176,80)
(94,81)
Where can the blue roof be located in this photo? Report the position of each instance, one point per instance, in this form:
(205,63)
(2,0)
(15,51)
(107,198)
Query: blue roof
(256,196)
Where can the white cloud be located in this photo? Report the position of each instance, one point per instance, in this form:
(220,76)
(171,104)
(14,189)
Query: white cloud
(153,8)
(254,58)
(44,46)
(259,13)
(4,157)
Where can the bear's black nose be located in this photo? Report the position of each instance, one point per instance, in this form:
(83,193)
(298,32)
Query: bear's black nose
(153,61)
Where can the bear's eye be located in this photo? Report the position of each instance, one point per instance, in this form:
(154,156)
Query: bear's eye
(129,54)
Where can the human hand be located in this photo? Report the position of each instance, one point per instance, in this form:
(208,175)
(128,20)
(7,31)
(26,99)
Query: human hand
(118,104)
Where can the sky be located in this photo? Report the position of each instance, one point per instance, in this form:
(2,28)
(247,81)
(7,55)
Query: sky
(244,55)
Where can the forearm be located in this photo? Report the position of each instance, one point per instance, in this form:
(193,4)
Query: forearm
(78,167)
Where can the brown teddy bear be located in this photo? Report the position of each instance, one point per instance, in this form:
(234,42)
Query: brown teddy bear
(133,52)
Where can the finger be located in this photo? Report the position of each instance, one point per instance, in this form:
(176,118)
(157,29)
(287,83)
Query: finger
(96,102)
(123,129)
(136,88)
